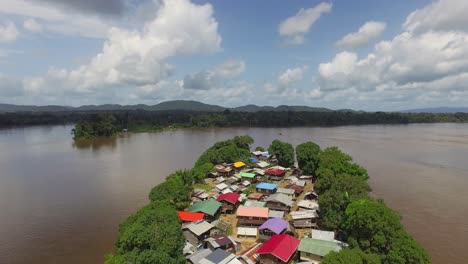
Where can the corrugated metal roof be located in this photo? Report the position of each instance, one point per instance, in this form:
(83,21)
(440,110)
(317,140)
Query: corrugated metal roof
(276,225)
(313,205)
(323,235)
(200,227)
(263,164)
(197,256)
(221,186)
(280,246)
(246,174)
(218,256)
(210,207)
(319,247)
(285,191)
(266,186)
(275,214)
(239,164)
(281,198)
(247,231)
(253,203)
(252,211)
(307,214)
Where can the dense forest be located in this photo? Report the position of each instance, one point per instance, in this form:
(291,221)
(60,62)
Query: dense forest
(373,231)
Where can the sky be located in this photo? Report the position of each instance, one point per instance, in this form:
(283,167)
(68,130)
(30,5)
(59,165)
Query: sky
(361,54)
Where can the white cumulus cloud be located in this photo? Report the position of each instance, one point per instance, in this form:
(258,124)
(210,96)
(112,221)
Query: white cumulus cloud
(370,30)
(206,80)
(8,32)
(32,25)
(294,28)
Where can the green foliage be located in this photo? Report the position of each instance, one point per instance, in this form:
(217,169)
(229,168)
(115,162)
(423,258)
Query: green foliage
(229,151)
(332,162)
(405,250)
(200,172)
(243,141)
(372,226)
(151,235)
(259,148)
(350,256)
(307,157)
(283,151)
(100,125)
(175,190)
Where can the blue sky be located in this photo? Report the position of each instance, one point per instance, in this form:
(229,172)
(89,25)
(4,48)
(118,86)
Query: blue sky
(370,55)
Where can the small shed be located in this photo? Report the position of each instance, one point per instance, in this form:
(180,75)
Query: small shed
(247,176)
(224,242)
(256,196)
(239,165)
(190,216)
(243,231)
(263,164)
(229,201)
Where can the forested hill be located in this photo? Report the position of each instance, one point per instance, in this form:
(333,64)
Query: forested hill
(178,105)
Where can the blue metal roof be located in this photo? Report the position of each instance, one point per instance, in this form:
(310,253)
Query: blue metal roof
(254,160)
(266,186)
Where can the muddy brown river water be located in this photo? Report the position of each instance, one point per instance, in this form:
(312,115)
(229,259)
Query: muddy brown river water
(61,202)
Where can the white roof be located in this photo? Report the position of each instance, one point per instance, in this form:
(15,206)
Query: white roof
(292,178)
(247,231)
(259,171)
(246,183)
(220,179)
(323,235)
(285,191)
(199,227)
(308,214)
(197,256)
(275,214)
(226,191)
(222,186)
(300,183)
(278,167)
(235,261)
(257,153)
(263,164)
(308,204)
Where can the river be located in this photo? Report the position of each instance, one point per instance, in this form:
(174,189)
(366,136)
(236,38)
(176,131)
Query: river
(62,203)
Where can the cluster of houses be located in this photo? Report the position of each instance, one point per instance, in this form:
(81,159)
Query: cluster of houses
(256,214)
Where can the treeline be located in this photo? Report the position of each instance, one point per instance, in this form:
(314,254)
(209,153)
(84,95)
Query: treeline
(373,231)
(139,120)
(153,234)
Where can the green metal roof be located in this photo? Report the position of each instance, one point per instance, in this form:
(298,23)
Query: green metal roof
(209,207)
(319,247)
(247,174)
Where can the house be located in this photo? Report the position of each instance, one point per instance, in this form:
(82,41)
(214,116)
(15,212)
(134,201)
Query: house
(255,196)
(221,186)
(224,170)
(304,219)
(254,203)
(266,188)
(229,202)
(249,255)
(190,216)
(254,160)
(247,176)
(197,231)
(232,180)
(259,172)
(249,216)
(296,171)
(279,202)
(297,189)
(243,231)
(288,192)
(278,249)
(312,195)
(197,256)
(323,235)
(275,214)
(308,204)
(245,183)
(238,165)
(311,249)
(261,155)
(219,256)
(209,207)
(275,174)
(263,164)
(224,242)
(200,194)
(274,226)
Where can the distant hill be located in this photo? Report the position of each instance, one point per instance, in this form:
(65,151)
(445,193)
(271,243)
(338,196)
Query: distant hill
(177,105)
(438,110)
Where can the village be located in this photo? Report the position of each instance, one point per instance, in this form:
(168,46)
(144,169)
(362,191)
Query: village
(255,213)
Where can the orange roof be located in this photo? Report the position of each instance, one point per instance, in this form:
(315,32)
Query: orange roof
(255,196)
(190,216)
(252,211)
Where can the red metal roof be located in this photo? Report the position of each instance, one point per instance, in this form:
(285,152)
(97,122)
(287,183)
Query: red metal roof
(231,197)
(281,246)
(190,216)
(275,171)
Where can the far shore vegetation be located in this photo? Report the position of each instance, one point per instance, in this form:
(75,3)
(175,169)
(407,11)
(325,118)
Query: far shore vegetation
(373,231)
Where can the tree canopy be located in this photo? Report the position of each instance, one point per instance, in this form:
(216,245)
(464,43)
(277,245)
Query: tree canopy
(307,157)
(283,151)
(350,256)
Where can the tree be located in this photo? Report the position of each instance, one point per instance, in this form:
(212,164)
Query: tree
(372,226)
(200,172)
(243,141)
(259,148)
(307,157)
(333,161)
(173,190)
(405,250)
(350,256)
(283,151)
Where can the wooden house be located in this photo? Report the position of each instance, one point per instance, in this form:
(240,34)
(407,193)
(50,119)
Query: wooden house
(304,219)
(251,216)
(278,249)
(274,226)
(225,242)
(197,231)
(229,201)
(311,249)
(266,187)
(210,207)
(279,202)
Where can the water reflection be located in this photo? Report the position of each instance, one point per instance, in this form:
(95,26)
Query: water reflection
(96,144)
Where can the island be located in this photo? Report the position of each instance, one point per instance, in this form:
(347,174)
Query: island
(276,205)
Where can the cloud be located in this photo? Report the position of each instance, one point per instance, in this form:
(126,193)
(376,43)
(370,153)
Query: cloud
(8,32)
(32,25)
(102,7)
(206,80)
(285,81)
(364,35)
(441,15)
(55,19)
(427,59)
(131,58)
(294,28)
